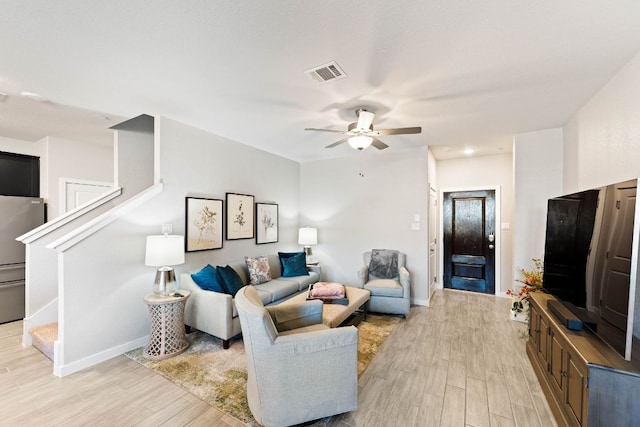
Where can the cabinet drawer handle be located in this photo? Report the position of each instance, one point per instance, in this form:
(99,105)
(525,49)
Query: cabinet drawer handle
(563,374)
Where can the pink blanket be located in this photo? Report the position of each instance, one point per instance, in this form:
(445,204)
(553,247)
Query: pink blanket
(328,290)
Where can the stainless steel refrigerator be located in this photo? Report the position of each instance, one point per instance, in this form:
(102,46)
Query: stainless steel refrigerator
(18,215)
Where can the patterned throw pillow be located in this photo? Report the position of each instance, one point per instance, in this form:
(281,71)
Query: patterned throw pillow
(383,264)
(258,269)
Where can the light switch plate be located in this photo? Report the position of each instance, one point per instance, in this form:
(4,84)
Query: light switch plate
(505,226)
(415,226)
(167,228)
(416,218)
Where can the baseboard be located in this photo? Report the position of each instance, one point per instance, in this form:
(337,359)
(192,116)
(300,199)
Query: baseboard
(422,302)
(73,367)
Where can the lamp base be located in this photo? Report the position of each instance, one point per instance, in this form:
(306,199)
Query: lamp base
(165,282)
(308,254)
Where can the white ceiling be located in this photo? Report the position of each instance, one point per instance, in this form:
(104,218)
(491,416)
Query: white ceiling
(471,73)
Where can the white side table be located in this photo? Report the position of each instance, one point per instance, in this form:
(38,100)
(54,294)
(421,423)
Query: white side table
(167,336)
(315,267)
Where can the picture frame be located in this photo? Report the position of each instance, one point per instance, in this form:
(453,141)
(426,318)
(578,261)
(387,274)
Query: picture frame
(266,223)
(203,224)
(240,217)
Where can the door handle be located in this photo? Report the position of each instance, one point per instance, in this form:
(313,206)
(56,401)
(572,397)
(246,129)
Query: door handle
(490,246)
(491,237)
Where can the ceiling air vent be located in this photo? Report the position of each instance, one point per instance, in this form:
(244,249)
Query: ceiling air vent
(326,72)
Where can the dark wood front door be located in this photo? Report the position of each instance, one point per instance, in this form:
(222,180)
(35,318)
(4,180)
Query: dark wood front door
(469,240)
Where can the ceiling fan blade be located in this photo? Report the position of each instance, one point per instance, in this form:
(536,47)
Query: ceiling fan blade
(365,118)
(326,130)
(335,144)
(399,131)
(378,144)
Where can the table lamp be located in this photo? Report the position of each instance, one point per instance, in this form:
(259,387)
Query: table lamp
(164,251)
(308,236)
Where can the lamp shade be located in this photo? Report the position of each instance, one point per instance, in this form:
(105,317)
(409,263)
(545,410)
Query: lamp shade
(360,142)
(164,250)
(308,236)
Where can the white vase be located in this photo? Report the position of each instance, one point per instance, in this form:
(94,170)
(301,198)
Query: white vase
(522,316)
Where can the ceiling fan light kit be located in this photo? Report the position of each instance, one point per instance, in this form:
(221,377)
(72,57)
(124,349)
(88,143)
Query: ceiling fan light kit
(360,142)
(360,134)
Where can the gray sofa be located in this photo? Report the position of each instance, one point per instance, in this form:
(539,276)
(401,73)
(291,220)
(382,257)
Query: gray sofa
(215,313)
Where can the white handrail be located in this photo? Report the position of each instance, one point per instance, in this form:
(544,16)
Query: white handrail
(56,223)
(79,234)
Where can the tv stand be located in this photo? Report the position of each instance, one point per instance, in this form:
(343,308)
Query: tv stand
(580,375)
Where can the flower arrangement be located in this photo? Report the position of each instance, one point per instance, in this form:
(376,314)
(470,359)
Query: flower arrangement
(532,280)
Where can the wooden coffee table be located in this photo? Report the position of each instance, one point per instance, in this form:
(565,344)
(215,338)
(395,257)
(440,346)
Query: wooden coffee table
(334,315)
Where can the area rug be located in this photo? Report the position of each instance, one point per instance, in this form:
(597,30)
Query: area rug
(219,377)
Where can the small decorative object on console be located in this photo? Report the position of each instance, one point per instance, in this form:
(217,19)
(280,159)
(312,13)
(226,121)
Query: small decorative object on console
(532,280)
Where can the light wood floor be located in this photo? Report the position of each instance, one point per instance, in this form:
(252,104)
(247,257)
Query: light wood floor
(460,362)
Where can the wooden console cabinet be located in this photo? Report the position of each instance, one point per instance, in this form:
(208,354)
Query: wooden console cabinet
(564,360)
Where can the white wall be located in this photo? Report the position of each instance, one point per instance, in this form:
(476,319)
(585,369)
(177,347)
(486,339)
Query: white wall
(602,140)
(602,144)
(18,146)
(74,160)
(485,172)
(365,203)
(537,165)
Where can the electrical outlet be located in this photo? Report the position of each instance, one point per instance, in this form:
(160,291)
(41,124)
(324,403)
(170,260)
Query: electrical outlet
(167,228)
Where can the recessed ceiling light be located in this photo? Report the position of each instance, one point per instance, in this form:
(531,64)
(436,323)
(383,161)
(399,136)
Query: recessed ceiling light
(33,96)
(469,151)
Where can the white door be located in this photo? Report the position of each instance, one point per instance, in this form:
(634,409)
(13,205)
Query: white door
(75,193)
(433,234)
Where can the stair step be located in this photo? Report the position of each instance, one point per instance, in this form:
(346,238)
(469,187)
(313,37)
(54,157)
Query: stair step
(43,338)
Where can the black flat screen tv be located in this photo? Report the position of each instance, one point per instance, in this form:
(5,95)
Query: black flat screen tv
(590,259)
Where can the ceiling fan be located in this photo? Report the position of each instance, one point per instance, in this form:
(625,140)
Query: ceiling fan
(361,133)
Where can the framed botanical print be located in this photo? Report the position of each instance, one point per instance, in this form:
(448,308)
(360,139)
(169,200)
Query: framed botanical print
(266,223)
(240,218)
(204,219)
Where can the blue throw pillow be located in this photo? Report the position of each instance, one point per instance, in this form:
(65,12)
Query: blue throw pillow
(207,279)
(295,265)
(285,255)
(230,280)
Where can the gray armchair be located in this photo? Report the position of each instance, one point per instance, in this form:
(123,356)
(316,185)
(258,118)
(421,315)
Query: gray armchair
(384,275)
(298,369)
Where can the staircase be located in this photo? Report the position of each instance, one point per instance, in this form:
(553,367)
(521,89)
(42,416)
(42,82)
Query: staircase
(43,338)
